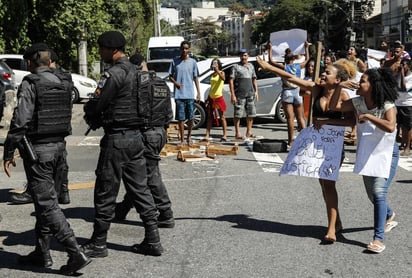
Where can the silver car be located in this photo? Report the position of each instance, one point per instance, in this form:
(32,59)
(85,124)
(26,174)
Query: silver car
(269,84)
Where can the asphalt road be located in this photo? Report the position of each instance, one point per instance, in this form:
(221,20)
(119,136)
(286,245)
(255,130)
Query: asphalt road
(235,217)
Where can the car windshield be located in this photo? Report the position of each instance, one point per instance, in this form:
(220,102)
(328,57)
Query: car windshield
(159,67)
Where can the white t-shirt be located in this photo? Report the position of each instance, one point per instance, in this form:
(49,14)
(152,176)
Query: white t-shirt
(374,146)
(405,97)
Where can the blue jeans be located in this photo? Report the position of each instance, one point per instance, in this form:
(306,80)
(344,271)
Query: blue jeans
(377,189)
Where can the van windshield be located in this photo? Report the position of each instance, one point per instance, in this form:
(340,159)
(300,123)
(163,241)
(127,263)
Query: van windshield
(164,53)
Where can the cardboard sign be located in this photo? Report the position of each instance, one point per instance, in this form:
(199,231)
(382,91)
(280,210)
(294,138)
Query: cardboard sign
(316,153)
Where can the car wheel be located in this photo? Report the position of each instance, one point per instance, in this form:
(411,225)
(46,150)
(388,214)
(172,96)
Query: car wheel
(200,116)
(269,146)
(280,113)
(75,95)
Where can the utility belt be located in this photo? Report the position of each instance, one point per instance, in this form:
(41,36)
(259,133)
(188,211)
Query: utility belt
(112,131)
(148,127)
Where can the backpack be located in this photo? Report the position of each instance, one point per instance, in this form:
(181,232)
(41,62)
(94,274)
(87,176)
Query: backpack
(153,98)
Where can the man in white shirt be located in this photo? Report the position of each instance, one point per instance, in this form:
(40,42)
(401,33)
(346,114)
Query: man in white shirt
(404,105)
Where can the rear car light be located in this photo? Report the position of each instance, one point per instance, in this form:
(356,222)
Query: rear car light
(6,76)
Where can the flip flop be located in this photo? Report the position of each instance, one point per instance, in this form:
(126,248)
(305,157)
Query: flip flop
(190,143)
(375,248)
(223,139)
(240,138)
(390,225)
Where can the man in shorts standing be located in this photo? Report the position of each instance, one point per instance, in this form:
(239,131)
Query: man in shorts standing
(182,72)
(244,93)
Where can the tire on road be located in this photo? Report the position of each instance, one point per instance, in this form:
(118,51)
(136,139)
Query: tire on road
(269,146)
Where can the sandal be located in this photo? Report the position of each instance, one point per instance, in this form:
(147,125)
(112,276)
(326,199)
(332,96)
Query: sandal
(181,144)
(223,139)
(190,143)
(390,225)
(375,248)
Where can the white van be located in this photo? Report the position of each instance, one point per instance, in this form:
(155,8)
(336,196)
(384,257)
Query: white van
(164,47)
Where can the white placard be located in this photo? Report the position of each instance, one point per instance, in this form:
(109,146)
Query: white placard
(293,39)
(316,153)
(373,58)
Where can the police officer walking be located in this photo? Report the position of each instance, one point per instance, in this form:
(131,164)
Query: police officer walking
(154,138)
(121,150)
(39,125)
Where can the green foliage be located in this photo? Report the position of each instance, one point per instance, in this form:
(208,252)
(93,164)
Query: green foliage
(63,24)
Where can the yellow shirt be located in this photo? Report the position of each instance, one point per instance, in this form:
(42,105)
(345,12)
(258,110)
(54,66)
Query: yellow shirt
(216,86)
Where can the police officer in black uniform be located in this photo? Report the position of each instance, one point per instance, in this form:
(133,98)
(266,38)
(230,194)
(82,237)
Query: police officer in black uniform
(39,125)
(154,138)
(121,149)
(61,181)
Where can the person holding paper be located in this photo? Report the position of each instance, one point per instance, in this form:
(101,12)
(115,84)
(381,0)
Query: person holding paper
(322,93)
(292,102)
(377,153)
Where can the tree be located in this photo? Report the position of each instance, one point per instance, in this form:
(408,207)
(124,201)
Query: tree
(330,18)
(63,24)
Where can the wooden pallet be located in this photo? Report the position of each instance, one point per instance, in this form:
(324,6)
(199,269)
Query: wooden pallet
(190,156)
(172,132)
(217,149)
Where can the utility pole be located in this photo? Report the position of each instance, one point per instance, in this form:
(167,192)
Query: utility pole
(156,18)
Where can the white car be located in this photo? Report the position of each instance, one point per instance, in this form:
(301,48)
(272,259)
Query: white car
(269,86)
(83,86)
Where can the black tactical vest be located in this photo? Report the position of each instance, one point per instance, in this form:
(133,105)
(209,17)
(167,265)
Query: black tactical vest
(122,110)
(53,107)
(153,98)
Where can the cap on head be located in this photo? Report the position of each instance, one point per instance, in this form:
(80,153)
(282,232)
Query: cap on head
(243,51)
(112,39)
(35,48)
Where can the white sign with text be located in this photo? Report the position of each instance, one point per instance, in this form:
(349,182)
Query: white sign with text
(316,153)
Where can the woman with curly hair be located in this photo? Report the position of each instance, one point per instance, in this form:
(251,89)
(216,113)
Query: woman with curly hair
(376,122)
(322,92)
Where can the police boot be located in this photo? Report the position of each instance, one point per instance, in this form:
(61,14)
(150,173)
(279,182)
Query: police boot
(150,244)
(64,197)
(77,259)
(166,219)
(40,256)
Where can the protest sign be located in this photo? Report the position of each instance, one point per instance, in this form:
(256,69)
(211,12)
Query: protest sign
(293,39)
(316,153)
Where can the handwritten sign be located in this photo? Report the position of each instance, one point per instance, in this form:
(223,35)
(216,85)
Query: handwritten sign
(316,153)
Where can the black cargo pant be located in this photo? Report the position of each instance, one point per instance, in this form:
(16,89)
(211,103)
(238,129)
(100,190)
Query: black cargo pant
(40,175)
(154,140)
(62,174)
(121,158)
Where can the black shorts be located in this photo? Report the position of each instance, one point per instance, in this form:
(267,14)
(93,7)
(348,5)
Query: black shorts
(404,117)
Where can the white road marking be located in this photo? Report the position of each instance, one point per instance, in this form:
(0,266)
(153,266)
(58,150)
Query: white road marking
(405,162)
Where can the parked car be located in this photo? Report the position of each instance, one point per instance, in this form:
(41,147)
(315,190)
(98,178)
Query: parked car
(269,86)
(83,86)
(7,76)
(160,66)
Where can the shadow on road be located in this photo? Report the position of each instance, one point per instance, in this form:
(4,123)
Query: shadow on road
(243,221)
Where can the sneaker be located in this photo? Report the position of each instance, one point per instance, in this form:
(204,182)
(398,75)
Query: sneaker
(36,258)
(165,221)
(75,263)
(21,198)
(151,249)
(93,250)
